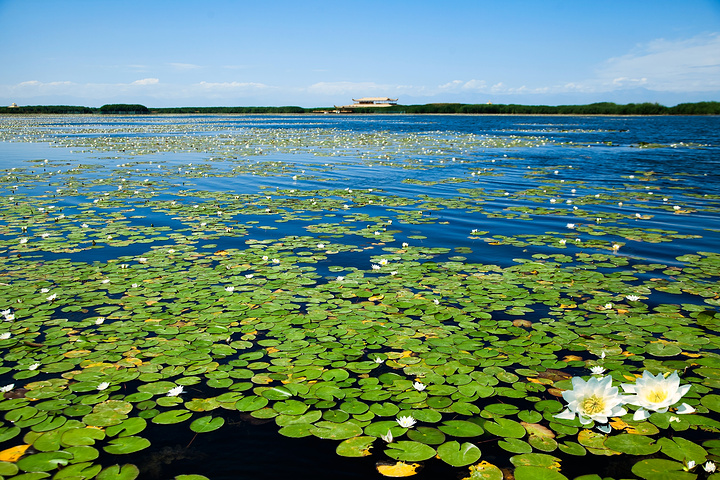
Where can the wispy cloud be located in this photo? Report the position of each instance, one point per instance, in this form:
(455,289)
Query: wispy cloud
(184,66)
(669,65)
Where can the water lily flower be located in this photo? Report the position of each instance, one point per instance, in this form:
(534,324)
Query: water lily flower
(388,437)
(7,388)
(379,360)
(9,316)
(563,241)
(673,418)
(249,275)
(419,386)
(383,261)
(275,261)
(406,422)
(99,320)
(608,306)
(632,298)
(615,247)
(690,465)
(103,386)
(34,366)
(264,257)
(405,244)
(709,467)
(656,393)
(229,289)
(175,391)
(320,245)
(597,369)
(570,225)
(23,240)
(340,278)
(375,267)
(595,399)
(51,297)
(676,207)
(436,301)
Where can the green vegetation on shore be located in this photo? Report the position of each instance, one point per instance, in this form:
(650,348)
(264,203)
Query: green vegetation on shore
(603,108)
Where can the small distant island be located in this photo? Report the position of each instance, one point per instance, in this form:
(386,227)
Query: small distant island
(372,105)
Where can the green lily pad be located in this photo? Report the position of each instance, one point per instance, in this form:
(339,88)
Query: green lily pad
(125,445)
(661,469)
(458,455)
(172,416)
(335,431)
(117,472)
(355,446)
(44,461)
(206,424)
(407,451)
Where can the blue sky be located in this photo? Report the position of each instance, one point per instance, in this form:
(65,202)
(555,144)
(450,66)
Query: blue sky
(319,53)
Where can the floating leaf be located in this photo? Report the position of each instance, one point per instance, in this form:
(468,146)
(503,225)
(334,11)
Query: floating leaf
(458,455)
(206,424)
(661,469)
(125,445)
(407,451)
(398,470)
(355,447)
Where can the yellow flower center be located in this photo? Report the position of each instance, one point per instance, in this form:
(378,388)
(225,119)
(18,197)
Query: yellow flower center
(593,404)
(657,396)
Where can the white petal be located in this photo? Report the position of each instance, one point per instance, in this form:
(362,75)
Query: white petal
(641,414)
(565,414)
(685,408)
(604,428)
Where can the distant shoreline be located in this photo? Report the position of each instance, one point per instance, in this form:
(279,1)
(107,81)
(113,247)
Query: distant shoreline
(600,109)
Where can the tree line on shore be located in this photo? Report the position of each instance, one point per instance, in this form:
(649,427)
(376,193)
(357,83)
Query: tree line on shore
(602,108)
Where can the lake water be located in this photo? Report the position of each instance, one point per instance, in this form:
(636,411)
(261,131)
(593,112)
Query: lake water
(296,274)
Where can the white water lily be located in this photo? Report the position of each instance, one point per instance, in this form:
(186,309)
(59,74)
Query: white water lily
(175,391)
(5,335)
(340,278)
(275,261)
(595,399)
(632,298)
(406,422)
(690,465)
(388,437)
(419,386)
(320,245)
(597,369)
(405,244)
(655,393)
(709,467)
(563,241)
(51,297)
(383,261)
(7,388)
(103,386)
(249,275)
(570,226)
(34,366)
(375,267)
(99,320)
(229,289)
(379,360)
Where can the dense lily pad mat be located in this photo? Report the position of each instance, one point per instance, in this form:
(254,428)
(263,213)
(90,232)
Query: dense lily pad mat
(139,294)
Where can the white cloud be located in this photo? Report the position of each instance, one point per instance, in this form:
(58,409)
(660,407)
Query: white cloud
(146,81)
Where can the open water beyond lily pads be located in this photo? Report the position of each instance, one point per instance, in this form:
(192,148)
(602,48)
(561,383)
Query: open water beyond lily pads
(224,297)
